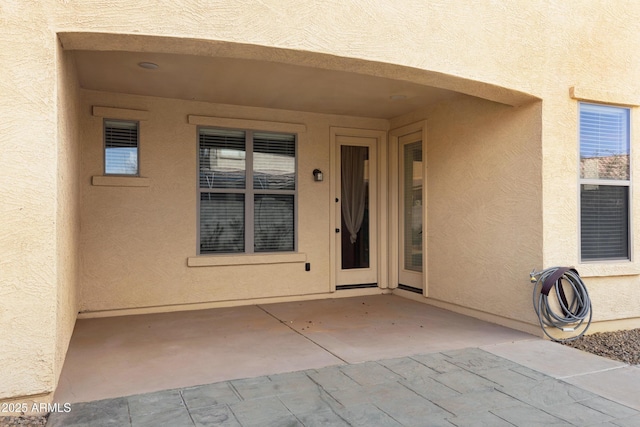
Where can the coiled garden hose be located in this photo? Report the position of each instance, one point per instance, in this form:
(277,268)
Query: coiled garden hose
(567,307)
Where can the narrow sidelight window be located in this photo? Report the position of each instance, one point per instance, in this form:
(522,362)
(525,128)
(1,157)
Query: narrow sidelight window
(604,182)
(120,147)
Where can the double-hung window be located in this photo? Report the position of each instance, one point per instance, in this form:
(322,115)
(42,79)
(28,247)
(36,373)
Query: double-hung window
(121,147)
(604,182)
(247,189)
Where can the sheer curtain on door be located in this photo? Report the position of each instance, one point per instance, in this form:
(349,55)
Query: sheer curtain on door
(353,188)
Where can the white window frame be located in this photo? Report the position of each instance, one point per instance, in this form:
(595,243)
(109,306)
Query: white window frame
(104,147)
(249,193)
(605,182)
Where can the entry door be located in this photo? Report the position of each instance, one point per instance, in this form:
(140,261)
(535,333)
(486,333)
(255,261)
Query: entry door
(411,212)
(355,210)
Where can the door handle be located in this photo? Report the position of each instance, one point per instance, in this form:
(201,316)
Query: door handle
(337,230)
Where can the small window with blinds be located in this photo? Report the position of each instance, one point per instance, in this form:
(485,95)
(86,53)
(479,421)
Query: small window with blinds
(604,182)
(120,147)
(247,186)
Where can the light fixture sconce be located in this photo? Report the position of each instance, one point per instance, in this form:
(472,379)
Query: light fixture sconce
(317,175)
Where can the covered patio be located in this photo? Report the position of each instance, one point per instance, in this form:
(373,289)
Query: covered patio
(126,355)
(141,234)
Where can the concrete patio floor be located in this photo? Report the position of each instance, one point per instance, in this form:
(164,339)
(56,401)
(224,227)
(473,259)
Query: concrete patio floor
(121,356)
(364,361)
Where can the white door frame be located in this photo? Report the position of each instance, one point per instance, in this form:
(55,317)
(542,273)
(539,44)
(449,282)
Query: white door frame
(381,227)
(394,202)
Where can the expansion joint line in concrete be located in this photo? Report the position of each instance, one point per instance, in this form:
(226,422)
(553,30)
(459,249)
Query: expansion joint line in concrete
(303,335)
(597,371)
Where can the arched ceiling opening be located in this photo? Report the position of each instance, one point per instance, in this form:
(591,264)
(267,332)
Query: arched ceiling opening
(238,74)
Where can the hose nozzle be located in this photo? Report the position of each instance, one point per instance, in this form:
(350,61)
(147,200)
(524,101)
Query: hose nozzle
(534,275)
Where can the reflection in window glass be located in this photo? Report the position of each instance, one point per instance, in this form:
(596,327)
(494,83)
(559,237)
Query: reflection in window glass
(221,222)
(120,147)
(604,142)
(222,158)
(274,161)
(273,223)
(412,192)
(604,182)
(240,215)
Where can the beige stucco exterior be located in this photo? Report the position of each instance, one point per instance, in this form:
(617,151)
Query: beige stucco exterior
(501,147)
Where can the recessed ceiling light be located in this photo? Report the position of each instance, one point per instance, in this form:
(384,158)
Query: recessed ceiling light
(148,65)
(398,97)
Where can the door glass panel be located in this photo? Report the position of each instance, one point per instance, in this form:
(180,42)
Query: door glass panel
(412,203)
(355,206)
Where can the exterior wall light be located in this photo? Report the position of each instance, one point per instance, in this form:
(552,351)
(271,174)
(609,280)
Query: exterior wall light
(317,175)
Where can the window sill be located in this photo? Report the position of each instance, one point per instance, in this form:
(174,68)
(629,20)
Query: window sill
(222,260)
(604,269)
(119,181)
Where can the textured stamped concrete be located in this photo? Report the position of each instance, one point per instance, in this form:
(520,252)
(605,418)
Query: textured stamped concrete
(468,387)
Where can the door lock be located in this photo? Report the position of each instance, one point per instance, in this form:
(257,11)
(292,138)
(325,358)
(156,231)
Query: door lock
(337,230)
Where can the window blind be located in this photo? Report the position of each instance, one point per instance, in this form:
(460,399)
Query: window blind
(273,223)
(240,216)
(274,161)
(222,158)
(121,147)
(604,142)
(605,185)
(604,222)
(221,222)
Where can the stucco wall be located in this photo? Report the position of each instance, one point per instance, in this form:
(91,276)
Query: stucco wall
(28,193)
(484,218)
(594,58)
(68,206)
(541,48)
(136,240)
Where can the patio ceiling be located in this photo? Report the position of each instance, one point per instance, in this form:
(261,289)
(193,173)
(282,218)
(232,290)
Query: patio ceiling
(255,83)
